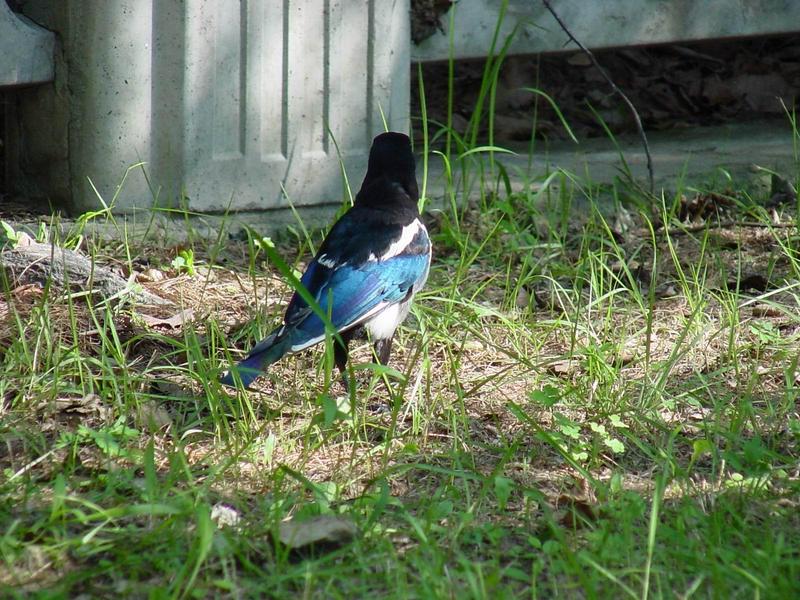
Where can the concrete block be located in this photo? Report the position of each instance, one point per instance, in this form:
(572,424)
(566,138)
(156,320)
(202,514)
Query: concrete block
(270,93)
(26,50)
(610,23)
(228,103)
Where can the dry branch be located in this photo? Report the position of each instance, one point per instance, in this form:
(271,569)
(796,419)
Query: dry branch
(614,87)
(63,269)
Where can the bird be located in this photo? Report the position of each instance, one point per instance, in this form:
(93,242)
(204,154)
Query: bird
(366,272)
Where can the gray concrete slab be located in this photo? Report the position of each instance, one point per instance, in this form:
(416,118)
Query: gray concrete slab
(609,23)
(695,156)
(26,50)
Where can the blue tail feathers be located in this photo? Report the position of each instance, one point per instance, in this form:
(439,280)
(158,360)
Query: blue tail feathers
(268,351)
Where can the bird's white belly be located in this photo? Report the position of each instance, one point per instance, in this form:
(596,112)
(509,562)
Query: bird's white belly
(383,325)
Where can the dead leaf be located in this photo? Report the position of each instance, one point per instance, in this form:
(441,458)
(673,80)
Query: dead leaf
(765,310)
(224,516)
(151,275)
(326,530)
(152,416)
(173,322)
(563,367)
(579,59)
(575,512)
(523,298)
(84,408)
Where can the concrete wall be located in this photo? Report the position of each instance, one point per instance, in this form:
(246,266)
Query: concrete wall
(604,23)
(225,102)
(26,50)
(26,64)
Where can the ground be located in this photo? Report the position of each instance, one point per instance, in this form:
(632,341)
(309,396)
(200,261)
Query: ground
(584,403)
(673,86)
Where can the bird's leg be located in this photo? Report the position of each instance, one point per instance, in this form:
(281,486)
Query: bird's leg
(382,350)
(340,354)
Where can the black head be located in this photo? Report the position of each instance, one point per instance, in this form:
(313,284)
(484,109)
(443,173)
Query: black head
(391,160)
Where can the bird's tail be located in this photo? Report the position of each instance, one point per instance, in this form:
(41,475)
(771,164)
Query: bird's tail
(266,352)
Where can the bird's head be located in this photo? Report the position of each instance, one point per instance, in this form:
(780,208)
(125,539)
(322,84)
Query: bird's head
(391,158)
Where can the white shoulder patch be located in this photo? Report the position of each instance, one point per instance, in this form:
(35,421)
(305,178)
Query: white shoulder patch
(326,262)
(408,233)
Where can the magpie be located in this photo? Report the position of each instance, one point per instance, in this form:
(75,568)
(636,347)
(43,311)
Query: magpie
(366,272)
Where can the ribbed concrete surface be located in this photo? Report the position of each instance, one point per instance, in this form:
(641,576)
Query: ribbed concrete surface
(604,23)
(234,104)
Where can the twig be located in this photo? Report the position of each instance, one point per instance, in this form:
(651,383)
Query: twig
(613,85)
(723,225)
(46,264)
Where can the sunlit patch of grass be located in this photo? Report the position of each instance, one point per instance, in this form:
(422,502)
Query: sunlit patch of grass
(594,396)
(556,377)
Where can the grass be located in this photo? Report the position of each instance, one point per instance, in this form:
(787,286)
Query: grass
(575,412)
(576,409)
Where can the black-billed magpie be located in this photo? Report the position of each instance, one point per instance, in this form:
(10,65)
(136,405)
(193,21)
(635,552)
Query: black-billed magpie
(366,272)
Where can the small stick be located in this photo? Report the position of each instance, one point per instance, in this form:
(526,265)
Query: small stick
(613,85)
(723,225)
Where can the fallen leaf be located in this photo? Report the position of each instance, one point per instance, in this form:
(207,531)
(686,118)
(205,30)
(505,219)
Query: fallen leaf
(151,275)
(152,416)
(765,310)
(172,322)
(562,367)
(575,512)
(327,530)
(523,298)
(224,516)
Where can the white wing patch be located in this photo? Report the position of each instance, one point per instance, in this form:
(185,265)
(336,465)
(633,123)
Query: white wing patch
(406,236)
(327,262)
(384,318)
